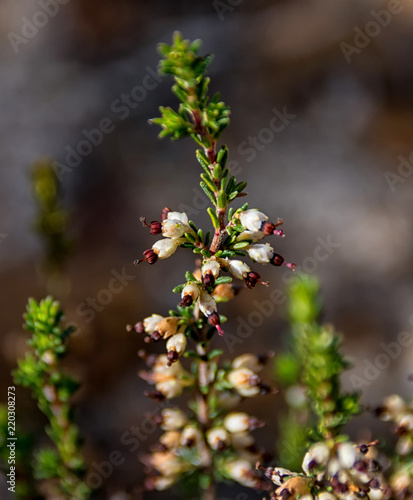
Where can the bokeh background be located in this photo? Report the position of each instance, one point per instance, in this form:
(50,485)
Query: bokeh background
(326,174)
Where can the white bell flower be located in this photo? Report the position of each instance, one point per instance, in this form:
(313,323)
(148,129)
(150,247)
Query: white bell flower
(252,219)
(261,253)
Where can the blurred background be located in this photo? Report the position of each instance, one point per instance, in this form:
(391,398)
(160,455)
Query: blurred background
(339,73)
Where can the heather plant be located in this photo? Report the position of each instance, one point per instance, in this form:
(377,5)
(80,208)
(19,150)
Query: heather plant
(213,441)
(206,438)
(41,372)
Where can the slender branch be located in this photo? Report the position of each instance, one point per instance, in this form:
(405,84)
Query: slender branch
(203,416)
(220,233)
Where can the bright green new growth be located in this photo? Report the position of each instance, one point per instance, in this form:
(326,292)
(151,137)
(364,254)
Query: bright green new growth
(197,114)
(316,363)
(41,372)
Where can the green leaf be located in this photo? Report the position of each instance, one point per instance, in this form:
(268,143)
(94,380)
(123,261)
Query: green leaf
(190,277)
(223,279)
(217,172)
(209,182)
(241,244)
(215,353)
(222,199)
(193,227)
(190,237)
(222,156)
(229,188)
(228,253)
(241,186)
(179,288)
(207,238)
(214,218)
(203,160)
(208,192)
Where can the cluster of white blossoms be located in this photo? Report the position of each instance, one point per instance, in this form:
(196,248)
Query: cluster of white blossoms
(225,438)
(341,471)
(173,227)
(398,411)
(252,226)
(169,328)
(243,376)
(395,409)
(169,380)
(169,461)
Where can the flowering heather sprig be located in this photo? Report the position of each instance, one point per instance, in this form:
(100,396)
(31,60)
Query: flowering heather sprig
(212,443)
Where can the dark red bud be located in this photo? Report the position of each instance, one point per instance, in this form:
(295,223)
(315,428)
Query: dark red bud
(270,228)
(190,442)
(186,301)
(374,466)
(269,471)
(155,227)
(156,395)
(208,279)
(139,328)
(252,279)
(267,227)
(312,465)
(156,336)
(266,389)
(337,486)
(173,357)
(221,445)
(214,320)
(360,466)
(285,494)
(148,255)
(277,259)
(165,213)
